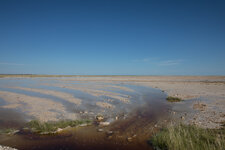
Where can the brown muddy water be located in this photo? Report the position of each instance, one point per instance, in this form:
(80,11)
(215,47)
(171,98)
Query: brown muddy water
(131,124)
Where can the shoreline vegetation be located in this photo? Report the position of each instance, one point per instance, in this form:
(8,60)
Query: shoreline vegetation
(173,99)
(36,126)
(171,137)
(188,137)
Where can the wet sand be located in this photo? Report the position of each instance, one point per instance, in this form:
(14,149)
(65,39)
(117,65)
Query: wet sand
(62,95)
(40,108)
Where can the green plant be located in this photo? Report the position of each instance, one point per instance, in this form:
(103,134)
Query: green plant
(173,99)
(40,127)
(8,131)
(189,137)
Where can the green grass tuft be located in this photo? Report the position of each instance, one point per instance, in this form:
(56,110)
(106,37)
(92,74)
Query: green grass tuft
(8,131)
(173,99)
(189,137)
(49,127)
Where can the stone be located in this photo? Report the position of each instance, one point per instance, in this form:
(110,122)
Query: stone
(91,113)
(14,132)
(68,127)
(99,118)
(83,125)
(109,132)
(59,130)
(104,123)
(134,136)
(129,139)
(200,106)
(45,133)
(100,130)
(6,148)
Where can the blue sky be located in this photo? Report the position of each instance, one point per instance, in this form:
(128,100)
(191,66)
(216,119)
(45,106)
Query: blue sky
(112,37)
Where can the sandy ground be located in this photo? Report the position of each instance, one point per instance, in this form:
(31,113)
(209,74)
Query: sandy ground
(203,101)
(205,95)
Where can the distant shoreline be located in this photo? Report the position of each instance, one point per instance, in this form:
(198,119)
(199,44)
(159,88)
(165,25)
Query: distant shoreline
(43,75)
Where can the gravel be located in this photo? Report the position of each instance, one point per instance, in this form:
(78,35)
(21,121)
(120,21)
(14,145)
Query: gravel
(6,148)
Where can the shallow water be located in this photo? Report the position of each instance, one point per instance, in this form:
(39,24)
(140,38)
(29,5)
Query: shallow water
(146,107)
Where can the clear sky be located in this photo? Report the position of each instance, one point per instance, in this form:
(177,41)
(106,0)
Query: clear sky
(112,37)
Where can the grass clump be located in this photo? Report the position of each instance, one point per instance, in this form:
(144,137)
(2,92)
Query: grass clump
(51,127)
(189,137)
(8,131)
(173,99)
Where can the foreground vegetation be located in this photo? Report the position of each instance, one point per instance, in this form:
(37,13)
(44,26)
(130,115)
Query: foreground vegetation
(173,99)
(51,127)
(189,137)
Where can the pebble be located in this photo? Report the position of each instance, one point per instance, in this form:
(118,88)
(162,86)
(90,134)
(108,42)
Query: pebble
(109,132)
(13,132)
(100,130)
(59,130)
(99,118)
(6,148)
(91,113)
(129,139)
(104,123)
(83,125)
(134,136)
